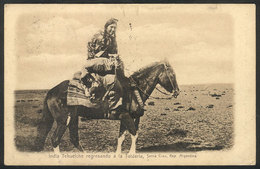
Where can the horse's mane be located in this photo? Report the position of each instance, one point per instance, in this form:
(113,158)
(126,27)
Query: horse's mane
(146,69)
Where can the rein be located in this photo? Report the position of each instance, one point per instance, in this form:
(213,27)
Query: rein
(162,91)
(155,87)
(149,96)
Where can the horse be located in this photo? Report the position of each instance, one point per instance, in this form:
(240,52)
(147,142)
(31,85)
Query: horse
(55,107)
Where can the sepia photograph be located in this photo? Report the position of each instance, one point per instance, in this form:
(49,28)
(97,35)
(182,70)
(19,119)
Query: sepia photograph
(129,84)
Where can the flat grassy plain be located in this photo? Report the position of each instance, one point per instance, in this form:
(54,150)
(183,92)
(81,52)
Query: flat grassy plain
(201,118)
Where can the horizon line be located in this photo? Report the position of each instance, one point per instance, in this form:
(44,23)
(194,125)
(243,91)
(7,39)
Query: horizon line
(179,85)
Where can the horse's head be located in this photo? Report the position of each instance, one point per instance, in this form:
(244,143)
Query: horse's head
(167,79)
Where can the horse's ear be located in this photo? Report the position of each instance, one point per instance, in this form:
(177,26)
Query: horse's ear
(166,61)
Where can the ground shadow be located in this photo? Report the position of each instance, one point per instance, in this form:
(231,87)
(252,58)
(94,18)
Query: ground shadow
(24,144)
(179,147)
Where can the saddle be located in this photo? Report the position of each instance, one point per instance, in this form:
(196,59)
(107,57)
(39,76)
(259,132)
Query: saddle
(92,91)
(105,97)
(76,95)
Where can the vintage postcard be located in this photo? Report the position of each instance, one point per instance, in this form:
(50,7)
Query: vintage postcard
(129,84)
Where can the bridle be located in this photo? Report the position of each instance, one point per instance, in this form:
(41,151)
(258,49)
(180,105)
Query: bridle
(165,68)
(173,86)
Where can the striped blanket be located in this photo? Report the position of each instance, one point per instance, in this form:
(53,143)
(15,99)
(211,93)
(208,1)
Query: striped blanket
(76,95)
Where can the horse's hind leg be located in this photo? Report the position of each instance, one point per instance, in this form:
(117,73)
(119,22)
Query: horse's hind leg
(43,128)
(60,113)
(57,135)
(73,127)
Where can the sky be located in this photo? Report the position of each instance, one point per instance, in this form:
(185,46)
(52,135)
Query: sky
(51,45)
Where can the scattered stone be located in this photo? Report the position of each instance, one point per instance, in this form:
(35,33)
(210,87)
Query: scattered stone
(195,97)
(210,106)
(229,106)
(179,107)
(215,95)
(176,103)
(166,108)
(178,133)
(39,111)
(175,109)
(151,103)
(163,114)
(217,98)
(18,101)
(22,100)
(191,108)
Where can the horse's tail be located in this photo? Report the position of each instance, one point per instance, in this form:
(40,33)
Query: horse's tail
(44,126)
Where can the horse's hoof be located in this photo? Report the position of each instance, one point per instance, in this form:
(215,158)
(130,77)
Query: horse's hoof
(132,152)
(56,150)
(80,149)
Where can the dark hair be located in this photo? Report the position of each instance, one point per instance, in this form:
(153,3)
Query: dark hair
(110,22)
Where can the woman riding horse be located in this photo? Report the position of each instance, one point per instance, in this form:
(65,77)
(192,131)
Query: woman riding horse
(103,59)
(56,108)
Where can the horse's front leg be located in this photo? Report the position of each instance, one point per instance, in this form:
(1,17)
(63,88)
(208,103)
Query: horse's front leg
(133,145)
(119,142)
(127,124)
(134,137)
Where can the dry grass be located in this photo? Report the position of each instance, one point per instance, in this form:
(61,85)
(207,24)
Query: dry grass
(201,118)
